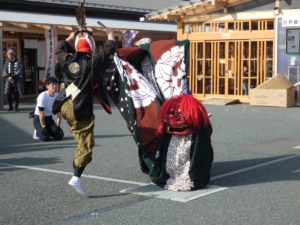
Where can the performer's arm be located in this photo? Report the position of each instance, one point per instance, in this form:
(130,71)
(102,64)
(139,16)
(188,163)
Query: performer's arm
(110,34)
(65,48)
(40,102)
(102,59)
(108,49)
(110,45)
(42,116)
(71,38)
(58,119)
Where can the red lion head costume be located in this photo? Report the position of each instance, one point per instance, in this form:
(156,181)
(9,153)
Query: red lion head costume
(183,114)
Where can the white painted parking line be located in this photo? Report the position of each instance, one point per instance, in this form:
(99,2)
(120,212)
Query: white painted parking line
(153,190)
(255,166)
(143,184)
(297,171)
(68,173)
(297,147)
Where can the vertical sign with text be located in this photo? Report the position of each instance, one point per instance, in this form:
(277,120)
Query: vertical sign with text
(50,37)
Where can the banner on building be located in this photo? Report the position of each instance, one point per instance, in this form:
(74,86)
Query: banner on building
(50,37)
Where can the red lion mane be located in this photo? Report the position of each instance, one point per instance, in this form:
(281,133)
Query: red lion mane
(193,111)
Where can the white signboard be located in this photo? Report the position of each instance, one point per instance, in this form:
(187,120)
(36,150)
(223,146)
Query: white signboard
(291,21)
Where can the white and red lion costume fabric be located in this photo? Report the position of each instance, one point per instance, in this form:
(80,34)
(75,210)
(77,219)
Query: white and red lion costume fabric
(170,127)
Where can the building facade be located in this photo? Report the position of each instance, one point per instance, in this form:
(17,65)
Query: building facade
(237,45)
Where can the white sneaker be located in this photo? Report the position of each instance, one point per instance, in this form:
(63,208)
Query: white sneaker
(75,183)
(34,136)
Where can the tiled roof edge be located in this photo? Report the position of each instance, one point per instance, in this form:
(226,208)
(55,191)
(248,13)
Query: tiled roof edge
(95,5)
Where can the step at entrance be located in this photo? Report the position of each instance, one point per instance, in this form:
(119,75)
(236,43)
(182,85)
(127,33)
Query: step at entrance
(221,101)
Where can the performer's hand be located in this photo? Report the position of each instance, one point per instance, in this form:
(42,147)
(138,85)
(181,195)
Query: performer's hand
(45,131)
(60,131)
(110,33)
(10,80)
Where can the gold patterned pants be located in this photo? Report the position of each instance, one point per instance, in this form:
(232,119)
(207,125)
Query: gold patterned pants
(83,132)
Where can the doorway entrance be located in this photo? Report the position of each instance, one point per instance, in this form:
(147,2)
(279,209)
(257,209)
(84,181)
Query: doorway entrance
(30,72)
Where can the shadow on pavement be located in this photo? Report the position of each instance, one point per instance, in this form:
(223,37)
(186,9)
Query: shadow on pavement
(278,171)
(107,196)
(14,140)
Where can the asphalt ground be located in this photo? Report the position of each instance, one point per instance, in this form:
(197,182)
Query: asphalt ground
(254,159)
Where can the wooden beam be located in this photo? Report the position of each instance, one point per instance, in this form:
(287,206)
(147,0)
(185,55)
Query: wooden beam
(69,28)
(65,30)
(62,31)
(243,35)
(201,18)
(269,14)
(101,29)
(43,26)
(18,29)
(173,17)
(119,31)
(22,25)
(204,8)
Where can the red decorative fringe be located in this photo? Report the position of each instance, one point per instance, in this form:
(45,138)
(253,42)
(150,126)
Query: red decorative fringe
(192,109)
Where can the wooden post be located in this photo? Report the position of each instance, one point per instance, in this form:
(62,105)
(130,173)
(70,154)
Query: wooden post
(1,70)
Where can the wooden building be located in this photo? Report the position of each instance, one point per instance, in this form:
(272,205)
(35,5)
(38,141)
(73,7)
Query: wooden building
(233,43)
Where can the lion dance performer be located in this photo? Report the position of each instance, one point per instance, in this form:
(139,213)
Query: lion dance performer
(170,127)
(82,71)
(184,156)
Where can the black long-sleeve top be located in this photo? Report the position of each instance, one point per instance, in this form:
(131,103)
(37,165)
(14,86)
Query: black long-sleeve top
(80,73)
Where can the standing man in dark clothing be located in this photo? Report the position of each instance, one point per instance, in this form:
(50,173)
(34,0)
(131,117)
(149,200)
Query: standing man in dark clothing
(13,75)
(82,70)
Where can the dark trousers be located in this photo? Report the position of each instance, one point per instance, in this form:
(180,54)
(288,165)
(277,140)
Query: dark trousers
(13,97)
(53,130)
